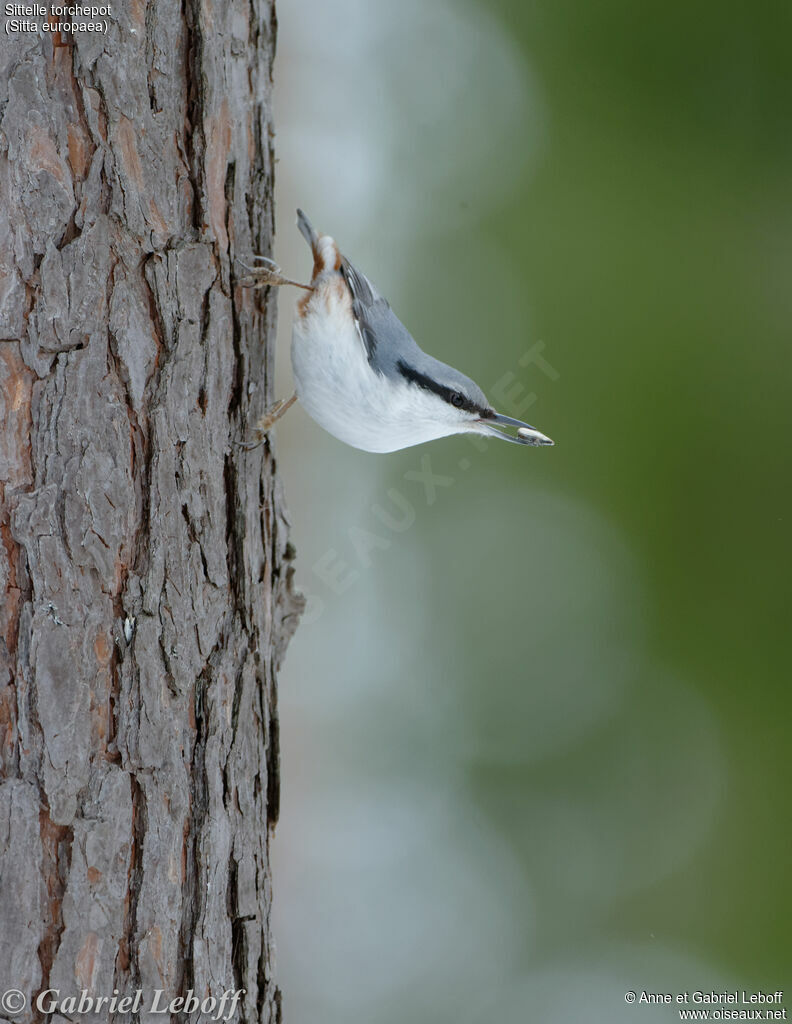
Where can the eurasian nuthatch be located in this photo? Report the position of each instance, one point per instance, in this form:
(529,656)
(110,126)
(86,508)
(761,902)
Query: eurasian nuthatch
(360,374)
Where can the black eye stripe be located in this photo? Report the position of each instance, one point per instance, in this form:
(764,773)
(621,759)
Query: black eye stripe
(455,398)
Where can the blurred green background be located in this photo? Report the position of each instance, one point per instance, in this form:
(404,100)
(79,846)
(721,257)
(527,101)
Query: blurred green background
(535,721)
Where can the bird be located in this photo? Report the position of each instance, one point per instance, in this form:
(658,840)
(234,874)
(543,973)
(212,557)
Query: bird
(360,374)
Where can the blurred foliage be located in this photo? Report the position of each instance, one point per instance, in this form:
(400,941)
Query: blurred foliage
(656,240)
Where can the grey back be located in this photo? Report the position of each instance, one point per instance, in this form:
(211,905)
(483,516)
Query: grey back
(392,350)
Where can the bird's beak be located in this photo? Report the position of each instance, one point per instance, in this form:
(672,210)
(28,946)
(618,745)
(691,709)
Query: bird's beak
(526,434)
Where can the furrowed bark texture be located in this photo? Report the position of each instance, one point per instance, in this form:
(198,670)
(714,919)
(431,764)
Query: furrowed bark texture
(144,565)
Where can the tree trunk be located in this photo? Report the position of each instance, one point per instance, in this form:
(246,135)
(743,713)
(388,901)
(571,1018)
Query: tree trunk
(144,565)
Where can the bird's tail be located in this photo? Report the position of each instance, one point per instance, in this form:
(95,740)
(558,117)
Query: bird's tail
(325,251)
(307,230)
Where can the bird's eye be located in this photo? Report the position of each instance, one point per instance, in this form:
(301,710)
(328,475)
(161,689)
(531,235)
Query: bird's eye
(457,399)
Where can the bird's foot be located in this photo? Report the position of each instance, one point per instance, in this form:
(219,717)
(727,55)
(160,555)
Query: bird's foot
(273,414)
(258,258)
(267,276)
(267,422)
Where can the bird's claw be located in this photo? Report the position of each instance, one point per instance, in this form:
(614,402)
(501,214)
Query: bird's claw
(261,276)
(249,446)
(268,276)
(256,258)
(272,415)
(267,422)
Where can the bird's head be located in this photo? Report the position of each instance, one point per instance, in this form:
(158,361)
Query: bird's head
(459,404)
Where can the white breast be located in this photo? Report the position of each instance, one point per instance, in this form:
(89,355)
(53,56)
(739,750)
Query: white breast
(339,389)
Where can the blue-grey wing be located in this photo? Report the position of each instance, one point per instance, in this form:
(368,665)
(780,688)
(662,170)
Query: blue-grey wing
(393,351)
(386,339)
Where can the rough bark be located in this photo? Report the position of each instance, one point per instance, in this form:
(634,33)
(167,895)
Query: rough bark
(144,564)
